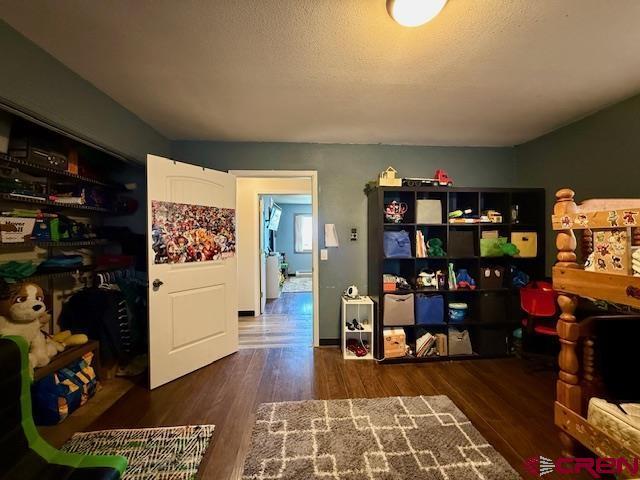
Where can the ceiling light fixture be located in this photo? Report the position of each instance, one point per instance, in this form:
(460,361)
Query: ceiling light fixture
(413,13)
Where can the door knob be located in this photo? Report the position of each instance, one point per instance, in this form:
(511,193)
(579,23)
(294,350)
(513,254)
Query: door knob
(157,283)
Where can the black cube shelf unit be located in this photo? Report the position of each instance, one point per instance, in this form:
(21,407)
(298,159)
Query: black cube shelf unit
(493,313)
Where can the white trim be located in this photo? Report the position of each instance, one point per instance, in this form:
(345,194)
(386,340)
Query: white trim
(313,175)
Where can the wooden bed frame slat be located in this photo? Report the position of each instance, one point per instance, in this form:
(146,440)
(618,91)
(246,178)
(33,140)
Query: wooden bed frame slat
(595,220)
(622,289)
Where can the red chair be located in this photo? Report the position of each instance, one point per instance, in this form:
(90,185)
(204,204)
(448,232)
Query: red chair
(538,300)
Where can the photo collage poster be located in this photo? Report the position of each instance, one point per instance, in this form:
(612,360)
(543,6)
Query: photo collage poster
(183,233)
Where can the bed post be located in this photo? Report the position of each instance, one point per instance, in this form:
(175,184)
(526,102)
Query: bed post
(568,388)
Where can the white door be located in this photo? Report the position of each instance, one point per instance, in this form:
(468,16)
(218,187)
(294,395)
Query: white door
(192,305)
(263,257)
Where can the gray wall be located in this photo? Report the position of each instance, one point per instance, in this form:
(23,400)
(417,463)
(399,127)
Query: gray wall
(33,80)
(285,240)
(598,156)
(343,171)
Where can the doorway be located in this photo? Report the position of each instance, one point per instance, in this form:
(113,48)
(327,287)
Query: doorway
(277,258)
(286,281)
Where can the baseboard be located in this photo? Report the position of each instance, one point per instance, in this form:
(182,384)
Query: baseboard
(247,313)
(329,341)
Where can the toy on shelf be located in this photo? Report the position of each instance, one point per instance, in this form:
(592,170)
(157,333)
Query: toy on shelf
(464,281)
(434,248)
(518,278)
(491,216)
(427,279)
(440,179)
(451,277)
(351,292)
(392,283)
(463,216)
(389,178)
(394,212)
(497,247)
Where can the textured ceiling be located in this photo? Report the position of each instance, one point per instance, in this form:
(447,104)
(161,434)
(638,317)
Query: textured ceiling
(484,72)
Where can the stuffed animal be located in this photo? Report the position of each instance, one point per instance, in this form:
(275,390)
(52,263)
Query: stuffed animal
(434,246)
(22,310)
(464,280)
(23,313)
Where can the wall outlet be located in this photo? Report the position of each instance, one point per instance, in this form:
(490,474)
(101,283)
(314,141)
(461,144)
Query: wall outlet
(354,234)
(324,254)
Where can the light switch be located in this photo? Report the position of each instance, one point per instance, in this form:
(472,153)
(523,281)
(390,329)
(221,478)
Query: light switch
(324,254)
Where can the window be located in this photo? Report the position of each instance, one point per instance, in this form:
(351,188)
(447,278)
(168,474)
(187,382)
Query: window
(303,233)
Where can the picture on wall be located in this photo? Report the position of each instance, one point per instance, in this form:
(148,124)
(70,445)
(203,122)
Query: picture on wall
(183,233)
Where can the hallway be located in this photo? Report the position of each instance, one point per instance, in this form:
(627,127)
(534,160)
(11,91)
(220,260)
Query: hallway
(287,321)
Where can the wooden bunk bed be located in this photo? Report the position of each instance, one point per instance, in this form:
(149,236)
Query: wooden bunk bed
(578,376)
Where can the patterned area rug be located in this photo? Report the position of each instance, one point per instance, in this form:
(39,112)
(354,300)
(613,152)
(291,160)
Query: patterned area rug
(370,439)
(297,284)
(153,453)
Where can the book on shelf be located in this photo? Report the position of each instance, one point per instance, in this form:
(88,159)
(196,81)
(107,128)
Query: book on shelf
(425,345)
(442,344)
(421,246)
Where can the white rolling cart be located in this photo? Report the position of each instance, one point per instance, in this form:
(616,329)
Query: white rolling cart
(360,309)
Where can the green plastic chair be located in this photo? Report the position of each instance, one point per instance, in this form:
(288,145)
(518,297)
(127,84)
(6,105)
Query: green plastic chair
(25,454)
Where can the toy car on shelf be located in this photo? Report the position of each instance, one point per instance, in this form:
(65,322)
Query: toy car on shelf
(440,179)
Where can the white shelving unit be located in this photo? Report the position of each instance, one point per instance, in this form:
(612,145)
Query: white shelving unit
(361,309)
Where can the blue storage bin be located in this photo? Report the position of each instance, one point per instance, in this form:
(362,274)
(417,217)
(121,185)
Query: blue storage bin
(397,244)
(429,309)
(458,312)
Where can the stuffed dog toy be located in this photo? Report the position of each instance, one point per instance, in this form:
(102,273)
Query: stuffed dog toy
(22,310)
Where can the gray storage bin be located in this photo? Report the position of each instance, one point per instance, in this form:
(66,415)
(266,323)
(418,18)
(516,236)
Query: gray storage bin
(429,211)
(398,310)
(459,342)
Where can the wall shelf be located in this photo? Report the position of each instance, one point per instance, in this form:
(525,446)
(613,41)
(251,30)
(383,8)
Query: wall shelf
(36,169)
(30,244)
(67,273)
(51,203)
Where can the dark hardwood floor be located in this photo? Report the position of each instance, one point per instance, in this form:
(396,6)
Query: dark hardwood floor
(286,321)
(511,408)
